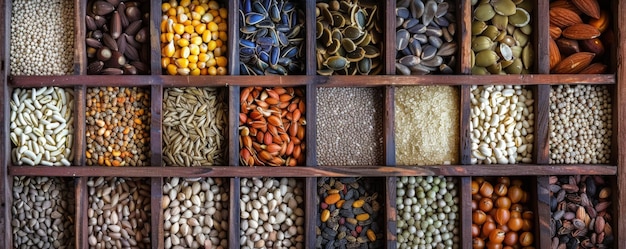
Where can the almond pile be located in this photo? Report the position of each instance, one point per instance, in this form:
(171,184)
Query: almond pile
(579,33)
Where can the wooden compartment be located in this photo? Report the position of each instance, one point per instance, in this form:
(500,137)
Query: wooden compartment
(385,173)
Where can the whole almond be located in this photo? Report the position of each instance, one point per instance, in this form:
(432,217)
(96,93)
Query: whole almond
(566,4)
(555,32)
(595,68)
(599,226)
(592,45)
(581,31)
(589,7)
(574,63)
(555,54)
(562,17)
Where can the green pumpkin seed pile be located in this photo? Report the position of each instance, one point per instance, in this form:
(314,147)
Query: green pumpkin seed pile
(348,35)
(501,37)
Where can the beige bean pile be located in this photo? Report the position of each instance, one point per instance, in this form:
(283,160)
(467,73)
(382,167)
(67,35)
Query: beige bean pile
(118,213)
(502,124)
(195,121)
(42,126)
(195,212)
(272,214)
(580,124)
(349,126)
(42,37)
(427,125)
(42,212)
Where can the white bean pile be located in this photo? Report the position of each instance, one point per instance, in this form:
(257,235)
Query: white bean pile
(42,37)
(272,214)
(580,124)
(42,126)
(501,127)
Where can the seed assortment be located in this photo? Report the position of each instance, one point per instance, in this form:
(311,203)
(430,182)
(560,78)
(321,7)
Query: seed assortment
(43,212)
(195,121)
(195,212)
(193,37)
(581,212)
(350,214)
(272,126)
(580,124)
(272,214)
(271,37)
(42,37)
(500,214)
(117,126)
(428,212)
(349,37)
(118,37)
(119,212)
(578,46)
(352,134)
(501,37)
(426,125)
(425,32)
(502,124)
(42,126)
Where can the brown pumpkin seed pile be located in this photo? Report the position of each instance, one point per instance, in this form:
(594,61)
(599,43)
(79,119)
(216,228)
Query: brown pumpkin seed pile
(43,212)
(349,37)
(118,126)
(501,35)
(349,126)
(425,37)
(194,126)
(350,214)
(580,124)
(581,212)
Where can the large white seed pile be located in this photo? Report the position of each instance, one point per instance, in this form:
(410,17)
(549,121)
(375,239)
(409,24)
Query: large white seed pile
(501,127)
(42,37)
(427,125)
(580,124)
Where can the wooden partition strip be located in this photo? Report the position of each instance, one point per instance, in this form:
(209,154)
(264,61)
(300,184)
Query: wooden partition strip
(79,147)
(389,53)
(80,57)
(156,216)
(156,140)
(310,41)
(389,140)
(235,214)
(620,104)
(541,149)
(4,126)
(464,35)
(82,204)
(155,37)
(465,211)
(542,218)
(541,35)
(233,35)
(465,147)
(391,216)
(311,126)
(310,211)
(233,128)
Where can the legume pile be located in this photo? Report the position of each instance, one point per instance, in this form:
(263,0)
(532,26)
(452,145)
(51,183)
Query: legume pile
(42,126)
(428,212)
(193,37)
(272,214)
(195,212)
(580,124)
(502,124)
(350,213)
(349,126)
(43,212)
(119,212)
(501,214)
(118,126)
(42,37)
(427,125)
(195,121)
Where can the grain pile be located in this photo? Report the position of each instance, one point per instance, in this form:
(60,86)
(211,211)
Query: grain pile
(427,125)
(349,126)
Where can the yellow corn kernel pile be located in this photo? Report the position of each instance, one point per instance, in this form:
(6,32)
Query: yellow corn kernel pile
(193,37)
